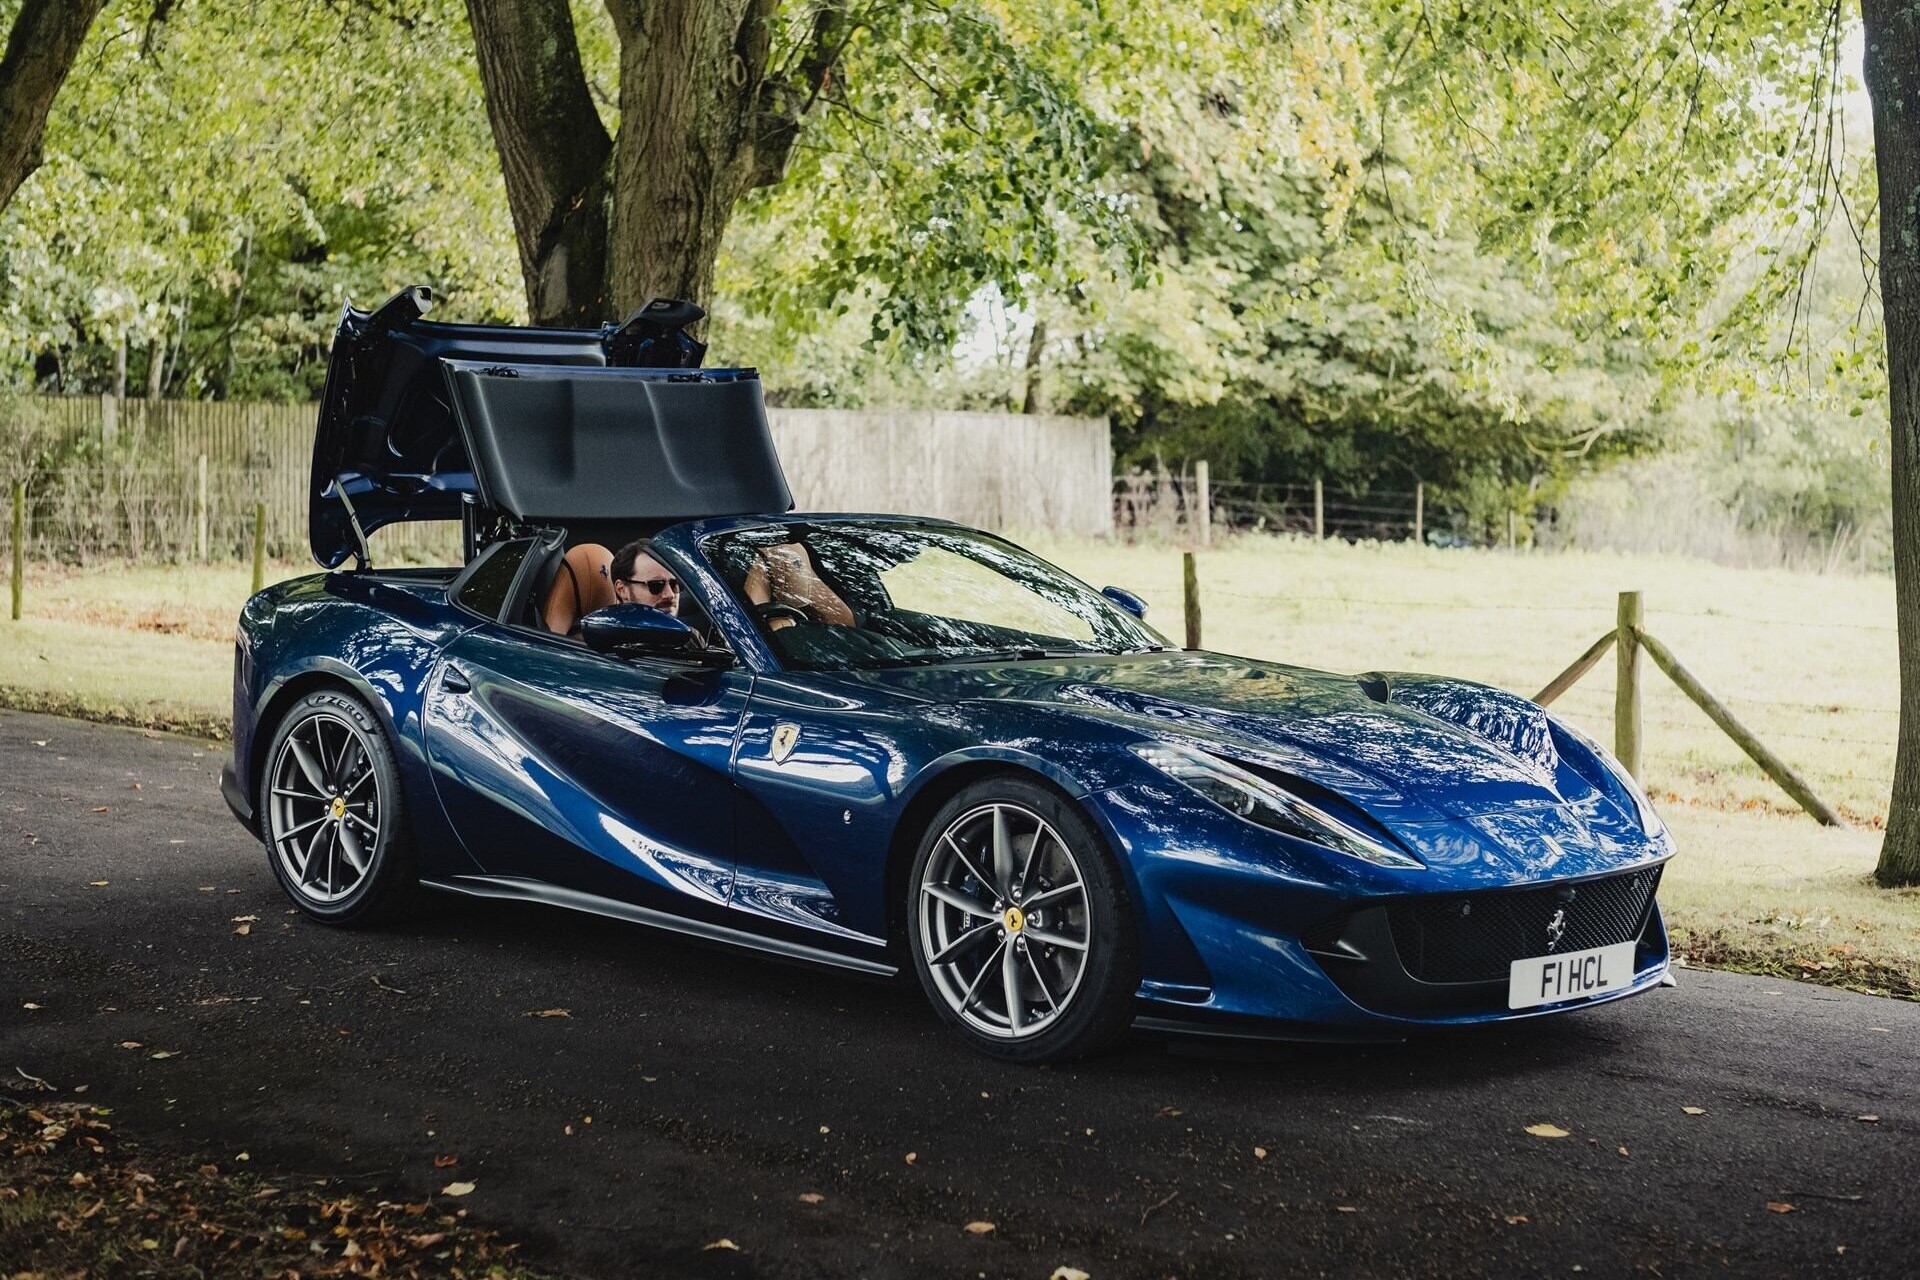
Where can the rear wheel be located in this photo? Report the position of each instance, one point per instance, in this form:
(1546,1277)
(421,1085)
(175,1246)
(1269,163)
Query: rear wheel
(332,814)
(1020,928)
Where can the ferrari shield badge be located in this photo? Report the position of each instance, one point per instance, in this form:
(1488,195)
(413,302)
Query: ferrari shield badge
(784,736)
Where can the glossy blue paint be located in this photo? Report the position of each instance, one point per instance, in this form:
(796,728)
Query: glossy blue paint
(755,804)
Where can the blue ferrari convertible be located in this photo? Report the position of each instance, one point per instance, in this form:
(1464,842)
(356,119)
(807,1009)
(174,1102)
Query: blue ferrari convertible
(878,743)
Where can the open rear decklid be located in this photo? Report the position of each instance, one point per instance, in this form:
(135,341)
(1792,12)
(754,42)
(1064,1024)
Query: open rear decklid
(540,425)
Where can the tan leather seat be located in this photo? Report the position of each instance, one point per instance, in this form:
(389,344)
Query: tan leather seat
(784,574)
(584,583)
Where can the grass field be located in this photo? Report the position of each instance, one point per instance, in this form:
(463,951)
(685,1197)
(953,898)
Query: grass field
(1807,661)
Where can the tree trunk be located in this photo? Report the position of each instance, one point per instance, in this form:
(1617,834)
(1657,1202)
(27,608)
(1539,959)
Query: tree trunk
(690,74)
(1893,84)
(605,224)
(41,48)
(1036,401)
(554,155)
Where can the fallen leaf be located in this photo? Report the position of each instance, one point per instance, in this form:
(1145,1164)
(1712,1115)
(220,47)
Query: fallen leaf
(1170,1112)
(1779,1206)
(97,884)
(245,919)
(1547,1131)
(1259,1153)
(1069,1273)
(1867,1119)
(824,1129)
(351,1249)
(243,930)
(979,1228)
(1623,1151)
(131,1044)
(31,1005)
(134,787)
(427,1240)
(158,1054)
(445,1162)
(721,1243)
(100,808)
(811,1197)
(912,1156)
(458,1189)
(1345,1208)
(1693,1111)
(550,1013)
(1517,1219)
(209,1170)
(38,742)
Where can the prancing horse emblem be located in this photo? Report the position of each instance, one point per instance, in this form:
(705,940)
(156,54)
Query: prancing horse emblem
(1556,928)
(784,736)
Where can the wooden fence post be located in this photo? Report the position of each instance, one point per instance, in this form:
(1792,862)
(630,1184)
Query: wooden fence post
(200,508)
(19,547)
(109,419)
(259,546)
(1190,589)
(1511,521)
(1419,513)
(1203,481)
(1626,690)
(1319,511)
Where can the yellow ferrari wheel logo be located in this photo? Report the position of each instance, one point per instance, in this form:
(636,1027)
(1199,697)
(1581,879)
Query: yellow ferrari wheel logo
(339,807)
(1015,919)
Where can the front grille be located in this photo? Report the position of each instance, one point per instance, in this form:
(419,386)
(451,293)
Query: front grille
(1475,937)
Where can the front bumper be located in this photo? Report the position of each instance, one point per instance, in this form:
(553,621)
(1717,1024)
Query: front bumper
(1245,937)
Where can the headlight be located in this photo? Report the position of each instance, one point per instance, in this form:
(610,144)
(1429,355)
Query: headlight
(1249,796)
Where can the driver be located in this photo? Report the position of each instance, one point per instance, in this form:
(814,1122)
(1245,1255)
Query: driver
(638,578)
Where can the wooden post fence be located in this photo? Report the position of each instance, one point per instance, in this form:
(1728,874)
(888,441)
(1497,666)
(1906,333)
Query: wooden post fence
(1319,511)
(1626,690)
(1203,501)
(259,546)
(1190,590)
(1629,637)
(19,548)
(1419,513)
(200,510)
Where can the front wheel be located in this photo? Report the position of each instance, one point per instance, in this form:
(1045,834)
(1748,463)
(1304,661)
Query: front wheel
(332,814)
(1019,924)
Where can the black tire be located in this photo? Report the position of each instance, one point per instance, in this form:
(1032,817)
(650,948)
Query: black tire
(1095,1004)
(388,885)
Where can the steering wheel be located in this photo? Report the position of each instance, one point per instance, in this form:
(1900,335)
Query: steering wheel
(772,612)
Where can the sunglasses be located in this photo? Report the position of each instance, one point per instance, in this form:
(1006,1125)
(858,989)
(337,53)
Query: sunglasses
(654,586)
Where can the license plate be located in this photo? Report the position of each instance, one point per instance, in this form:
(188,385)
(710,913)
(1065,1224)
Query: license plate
(1541,980)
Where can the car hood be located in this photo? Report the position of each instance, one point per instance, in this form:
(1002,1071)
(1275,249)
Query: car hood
(1406,748)
(550,426)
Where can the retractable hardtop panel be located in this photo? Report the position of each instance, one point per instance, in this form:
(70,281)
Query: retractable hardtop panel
(535,425)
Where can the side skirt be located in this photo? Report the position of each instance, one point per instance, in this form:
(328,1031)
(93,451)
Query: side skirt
(574,900)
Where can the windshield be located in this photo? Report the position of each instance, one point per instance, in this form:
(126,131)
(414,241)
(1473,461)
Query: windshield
(851,595)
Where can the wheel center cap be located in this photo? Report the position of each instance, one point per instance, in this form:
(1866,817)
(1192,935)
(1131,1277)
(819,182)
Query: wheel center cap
(1015,919)
(338,808)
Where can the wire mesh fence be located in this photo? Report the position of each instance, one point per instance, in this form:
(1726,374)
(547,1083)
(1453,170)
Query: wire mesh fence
(1167,506)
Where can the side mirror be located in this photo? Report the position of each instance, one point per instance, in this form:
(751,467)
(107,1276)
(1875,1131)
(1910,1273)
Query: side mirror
(640,628)
(1132,603)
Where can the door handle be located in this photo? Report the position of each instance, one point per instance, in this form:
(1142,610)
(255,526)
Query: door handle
(454,680)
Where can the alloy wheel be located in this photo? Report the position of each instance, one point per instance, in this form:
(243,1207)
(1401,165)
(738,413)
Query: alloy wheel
(324,810)
(1005,927)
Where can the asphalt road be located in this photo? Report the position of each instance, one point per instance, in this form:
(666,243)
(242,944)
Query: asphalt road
(722,1088)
